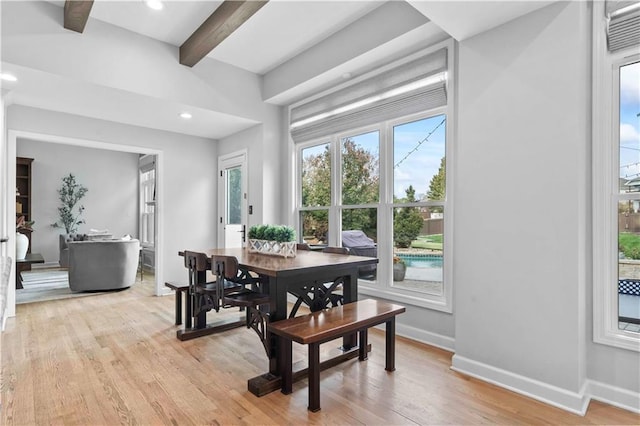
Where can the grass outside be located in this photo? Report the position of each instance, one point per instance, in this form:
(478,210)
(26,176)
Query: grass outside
(629,244)
(431,242)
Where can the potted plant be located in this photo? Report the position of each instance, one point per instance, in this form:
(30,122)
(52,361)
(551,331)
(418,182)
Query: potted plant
(70,193)
(277,240)
(399,268)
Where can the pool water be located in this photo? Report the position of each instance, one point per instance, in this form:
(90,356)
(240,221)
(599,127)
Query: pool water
(428,261)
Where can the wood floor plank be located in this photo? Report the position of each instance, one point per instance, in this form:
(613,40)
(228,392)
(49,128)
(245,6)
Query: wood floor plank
(114,359)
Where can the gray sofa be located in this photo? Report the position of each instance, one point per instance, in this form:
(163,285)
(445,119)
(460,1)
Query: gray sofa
(103,264)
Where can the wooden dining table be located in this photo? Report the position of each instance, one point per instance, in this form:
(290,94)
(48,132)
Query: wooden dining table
(284,275)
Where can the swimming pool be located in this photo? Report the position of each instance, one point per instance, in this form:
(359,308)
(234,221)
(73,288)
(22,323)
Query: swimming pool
(422,260)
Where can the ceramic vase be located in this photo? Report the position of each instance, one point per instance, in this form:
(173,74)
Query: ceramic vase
(22,245)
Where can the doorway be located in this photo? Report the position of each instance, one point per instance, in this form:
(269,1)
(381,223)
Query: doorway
(14,135)
(232,224)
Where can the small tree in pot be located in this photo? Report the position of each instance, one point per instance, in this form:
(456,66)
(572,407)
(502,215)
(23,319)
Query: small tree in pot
(70,193)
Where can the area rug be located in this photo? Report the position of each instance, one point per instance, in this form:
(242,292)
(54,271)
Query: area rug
(45,284)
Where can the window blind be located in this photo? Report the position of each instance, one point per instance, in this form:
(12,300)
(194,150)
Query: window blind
(398,91)
(623,29)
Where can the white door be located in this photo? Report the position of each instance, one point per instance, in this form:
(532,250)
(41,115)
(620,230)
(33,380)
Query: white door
(233,200)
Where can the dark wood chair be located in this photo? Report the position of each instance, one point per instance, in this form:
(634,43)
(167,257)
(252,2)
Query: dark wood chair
(246,293)
(303,247)
(202,296)
(320,296)
(336,250)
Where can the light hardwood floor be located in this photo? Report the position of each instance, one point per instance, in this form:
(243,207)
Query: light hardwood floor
(114,359)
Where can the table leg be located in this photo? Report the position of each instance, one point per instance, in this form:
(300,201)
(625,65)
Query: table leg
(278,295)
(286,367)
(18,280)
(350,293)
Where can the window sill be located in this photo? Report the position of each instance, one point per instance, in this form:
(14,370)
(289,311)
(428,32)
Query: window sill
(422,300)
(618,338)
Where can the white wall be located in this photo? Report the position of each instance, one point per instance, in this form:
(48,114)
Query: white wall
(522,214)
(111,202)
(266,158)
(251,140)
(187,175)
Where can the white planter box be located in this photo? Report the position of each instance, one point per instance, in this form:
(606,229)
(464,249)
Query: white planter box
(273,248)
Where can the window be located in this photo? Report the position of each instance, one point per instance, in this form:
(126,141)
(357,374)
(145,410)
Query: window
(405,224)
(315,193)
(371,176)
(419,203)
(147,204)
(616,177)
(629,197)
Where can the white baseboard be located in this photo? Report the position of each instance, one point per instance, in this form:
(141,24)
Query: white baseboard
(615,396)
(423,336)
(575,402)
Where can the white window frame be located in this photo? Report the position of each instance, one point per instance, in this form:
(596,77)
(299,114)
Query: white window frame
(385,206)
(298,186)
(605,159)
(144,215)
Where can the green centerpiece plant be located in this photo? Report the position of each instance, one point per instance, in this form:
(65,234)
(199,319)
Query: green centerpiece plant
(277,240)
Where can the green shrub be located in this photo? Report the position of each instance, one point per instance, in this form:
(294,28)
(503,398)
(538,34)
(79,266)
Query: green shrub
(279,233)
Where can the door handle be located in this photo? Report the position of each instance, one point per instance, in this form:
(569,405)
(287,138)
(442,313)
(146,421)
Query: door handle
(244,233)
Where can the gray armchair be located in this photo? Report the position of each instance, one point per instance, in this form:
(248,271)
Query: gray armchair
(103,265)
(63,244)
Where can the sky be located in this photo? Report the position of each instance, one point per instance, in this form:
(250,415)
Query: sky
(415,163)
(629,120)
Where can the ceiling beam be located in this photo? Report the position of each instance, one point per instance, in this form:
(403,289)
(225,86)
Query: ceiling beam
(76,14)
(227,18)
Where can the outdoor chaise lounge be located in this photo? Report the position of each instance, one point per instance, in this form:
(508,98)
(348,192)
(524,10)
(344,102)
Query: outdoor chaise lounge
(360,245)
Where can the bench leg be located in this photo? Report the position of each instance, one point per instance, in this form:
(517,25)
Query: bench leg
(390,345)
(362,345)
(178,307)
(314,377)
(286,366)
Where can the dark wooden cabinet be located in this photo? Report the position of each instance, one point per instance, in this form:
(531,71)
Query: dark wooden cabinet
(23,194)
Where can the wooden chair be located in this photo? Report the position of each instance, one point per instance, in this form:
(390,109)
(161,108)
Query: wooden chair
(320,296)
(202,296)
(229,275)
(303,246)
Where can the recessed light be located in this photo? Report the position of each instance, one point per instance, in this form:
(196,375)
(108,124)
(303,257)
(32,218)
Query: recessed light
(155,4)
(185,115)
(8,77)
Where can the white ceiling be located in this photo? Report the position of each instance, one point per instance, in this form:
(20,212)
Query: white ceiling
(277,33)
(283,29)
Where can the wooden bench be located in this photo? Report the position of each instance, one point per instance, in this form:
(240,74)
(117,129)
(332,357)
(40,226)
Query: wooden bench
(329,324)
(179,289)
